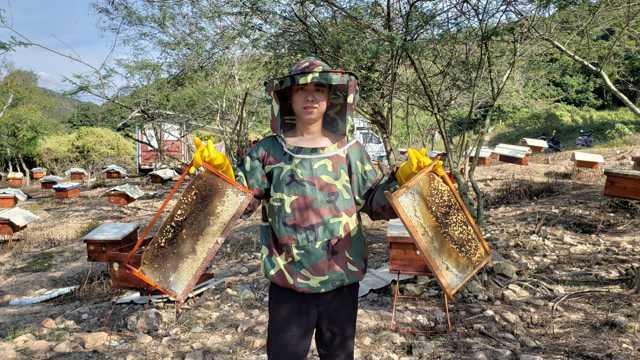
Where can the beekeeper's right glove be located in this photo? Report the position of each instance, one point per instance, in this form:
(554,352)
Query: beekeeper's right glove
(207,153)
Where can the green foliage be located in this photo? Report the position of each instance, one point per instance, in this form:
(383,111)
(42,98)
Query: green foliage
(566,121)
(88,147)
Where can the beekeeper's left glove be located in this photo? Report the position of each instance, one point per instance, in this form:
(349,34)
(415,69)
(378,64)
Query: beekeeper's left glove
(207,153)
(417,160)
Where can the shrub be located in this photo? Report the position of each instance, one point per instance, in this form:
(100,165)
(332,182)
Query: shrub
(87,147)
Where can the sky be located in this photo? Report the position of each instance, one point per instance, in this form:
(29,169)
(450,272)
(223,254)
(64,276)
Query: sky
(69,26)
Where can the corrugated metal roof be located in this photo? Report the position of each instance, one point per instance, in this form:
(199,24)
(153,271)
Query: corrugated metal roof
(17,216)
(76,170)
(66,186)
(485,152)
(116,168)
(15,175)
(19,194)
(51,178)
(583,156)
(535,142)
(165,174)
(133,191)
(512,150)
(110,231)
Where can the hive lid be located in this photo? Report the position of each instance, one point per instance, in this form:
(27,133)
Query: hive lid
(115,168)
(19,194)
(51,178)
(75,170)
(191,235)
(485,152)
(110,231)
(17,216)
(442,228)
(66,186)
(38,169)
(535,142)
(165,174)
(512,150)
(15,175)
(133,191)
(583,156)
(395,228)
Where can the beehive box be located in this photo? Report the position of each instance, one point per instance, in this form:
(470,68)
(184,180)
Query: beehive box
(622,183)
(37,173)
(49,181)
(66,190)
(513,154)
(443,230)
(484,157)
(586,160)
(404,256)
(108,237)
(8,201)
(119,198)
(14,219)
(15,182)
(536,145)
(190,236)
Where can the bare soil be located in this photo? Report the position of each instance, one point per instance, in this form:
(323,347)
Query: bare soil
(574,255)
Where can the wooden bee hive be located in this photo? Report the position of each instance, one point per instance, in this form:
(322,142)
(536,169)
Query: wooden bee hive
(443,230)
(190,236)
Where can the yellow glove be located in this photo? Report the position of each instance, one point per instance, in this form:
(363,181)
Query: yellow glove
(207,153)
(417,161)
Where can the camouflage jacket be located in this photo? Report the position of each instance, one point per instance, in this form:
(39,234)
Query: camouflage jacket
(312,238)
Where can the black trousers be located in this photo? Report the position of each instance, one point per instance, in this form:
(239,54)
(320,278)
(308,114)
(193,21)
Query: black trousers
(294,316)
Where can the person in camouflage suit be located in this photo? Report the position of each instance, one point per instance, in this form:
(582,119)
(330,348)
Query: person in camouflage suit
(312,243)
(312,240)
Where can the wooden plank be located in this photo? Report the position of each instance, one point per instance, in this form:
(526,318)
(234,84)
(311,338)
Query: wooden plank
(587,165)
(633,174)
(622,187)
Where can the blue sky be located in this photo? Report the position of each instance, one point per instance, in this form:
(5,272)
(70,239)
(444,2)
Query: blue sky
(69,26)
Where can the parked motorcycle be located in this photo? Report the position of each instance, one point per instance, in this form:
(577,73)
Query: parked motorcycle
(553,142)
(585,139)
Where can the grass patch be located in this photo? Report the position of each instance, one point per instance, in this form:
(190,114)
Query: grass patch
(12,332)
(39,263)
(610,128)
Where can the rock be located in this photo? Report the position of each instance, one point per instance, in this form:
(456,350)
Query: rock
(258,343)
(145,322)
(393,338)
(366,341)
(64,347)
(503,353)
(195,355)
(143,339)
(413,290)
(423,349)
(48,323)
(22,340)
(510,317)
(84,316)
(38,346)
(509,296)
(474,287)
(505,268)
(94,340)
(7,351)
(246,295)
(479,356)
(520,292)
(530,357)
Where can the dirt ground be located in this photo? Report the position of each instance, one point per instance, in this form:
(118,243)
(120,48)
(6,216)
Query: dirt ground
(560,285)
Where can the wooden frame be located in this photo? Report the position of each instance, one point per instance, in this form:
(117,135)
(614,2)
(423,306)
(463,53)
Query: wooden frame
(439,255)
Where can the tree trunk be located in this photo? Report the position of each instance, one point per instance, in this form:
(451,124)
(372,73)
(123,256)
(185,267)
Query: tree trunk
(27,174)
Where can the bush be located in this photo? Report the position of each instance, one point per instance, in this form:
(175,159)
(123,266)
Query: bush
(87,147)
(567,121)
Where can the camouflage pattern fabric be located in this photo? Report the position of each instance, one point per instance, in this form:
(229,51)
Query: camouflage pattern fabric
(313,241)
(343,95)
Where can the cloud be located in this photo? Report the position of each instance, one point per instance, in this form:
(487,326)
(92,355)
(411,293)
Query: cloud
(50,81)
